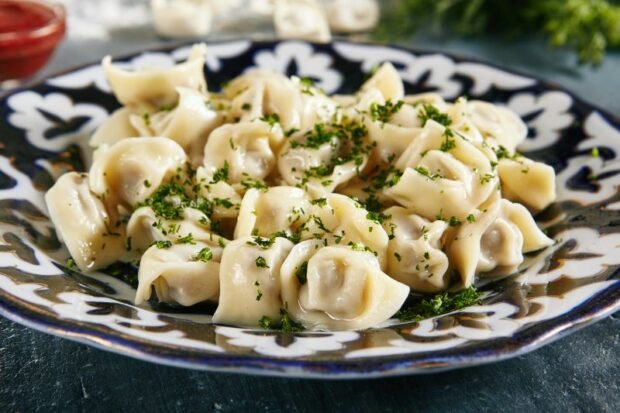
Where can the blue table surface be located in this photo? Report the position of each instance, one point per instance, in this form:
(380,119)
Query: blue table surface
(578,373)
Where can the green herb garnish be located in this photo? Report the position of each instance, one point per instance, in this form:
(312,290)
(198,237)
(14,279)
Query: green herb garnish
(439,304)
(285,323)
(383,113)
(429,111)
(302,273)
(204,255)
(261,262)
(271,119)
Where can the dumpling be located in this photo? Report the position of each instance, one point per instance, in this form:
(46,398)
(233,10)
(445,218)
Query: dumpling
(261,92)
(390,135)
(185,274)
(349,16)
(414,255)
(94,238)
(498,122)
(341,220)
(242,150)
(145,228)
(324,157)
(528,182)
(114,129)
(279,208)
(225,199)
(338,288)
(132,169)
(387,80)
(155,88)
(188,123)
(453,175)
(316,106)
(300,19)
(250,280)
(494,239)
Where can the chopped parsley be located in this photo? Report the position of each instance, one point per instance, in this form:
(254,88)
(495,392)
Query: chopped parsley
(259,292)
(147,183)
(246,106)
(224,202)
(262,242)
(321,202)
(425,172)
(285,323)
(271,119)
(316,137)
(358,246)
(383,113)
(261,262)
(254,183)
(502,153)
(454,221)
(397,256)
(471,218)
(377,217)
(163,244)
(439,304)
(302,273)
(187,239)
(306,85)
(486,178)
(595,152)
(204,255)
(448,143)
(429,111)
(221,174)
(163,201)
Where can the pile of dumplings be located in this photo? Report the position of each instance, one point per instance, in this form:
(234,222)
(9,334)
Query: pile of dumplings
(272,198)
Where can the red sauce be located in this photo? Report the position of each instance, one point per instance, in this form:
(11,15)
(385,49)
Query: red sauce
(29,33)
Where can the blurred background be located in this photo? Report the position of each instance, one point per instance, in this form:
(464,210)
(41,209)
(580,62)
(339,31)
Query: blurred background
(568,41)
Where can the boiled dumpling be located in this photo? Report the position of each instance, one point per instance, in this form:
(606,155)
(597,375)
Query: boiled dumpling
(94,238)
(528,182)
(188,123)
(114,129)
(498,122)
(261,93)
(387,80)
(338,288)
(343,221)
(242,150)
(414,255)
(453,175)
(279,208)
(300,19)
(495,239)
(183,274)
(250,280)
(349,16)
(145,228)
(322,158)
(132,169)
(155,88)
(223,196)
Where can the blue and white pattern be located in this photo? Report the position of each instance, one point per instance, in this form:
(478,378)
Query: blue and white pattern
(43,133)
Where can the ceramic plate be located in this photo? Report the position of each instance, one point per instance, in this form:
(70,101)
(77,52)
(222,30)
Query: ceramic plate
(44,131)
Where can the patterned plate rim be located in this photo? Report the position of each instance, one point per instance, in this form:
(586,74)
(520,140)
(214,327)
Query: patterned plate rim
(600,305)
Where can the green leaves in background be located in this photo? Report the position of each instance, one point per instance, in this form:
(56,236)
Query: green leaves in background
(588,26)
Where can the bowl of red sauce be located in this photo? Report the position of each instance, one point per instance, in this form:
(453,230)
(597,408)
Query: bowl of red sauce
(30,30)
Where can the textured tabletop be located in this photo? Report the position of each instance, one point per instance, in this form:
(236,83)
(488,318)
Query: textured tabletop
(580,372)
